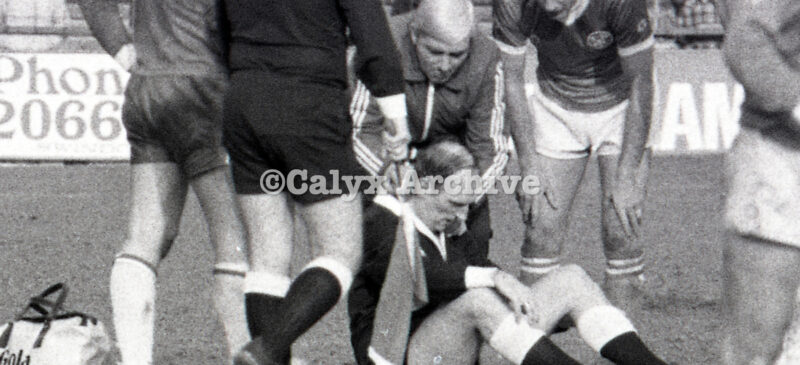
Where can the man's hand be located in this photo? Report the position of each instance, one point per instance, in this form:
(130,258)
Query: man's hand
(126,56)
(518,296)
(532,205)
(396,137)
(627,198)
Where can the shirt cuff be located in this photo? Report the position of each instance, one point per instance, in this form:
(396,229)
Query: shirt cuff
(479,277)
(796,113)
(393,106)
(126,56)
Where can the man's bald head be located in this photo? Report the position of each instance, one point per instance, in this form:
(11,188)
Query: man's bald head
(441,32)
(449,21)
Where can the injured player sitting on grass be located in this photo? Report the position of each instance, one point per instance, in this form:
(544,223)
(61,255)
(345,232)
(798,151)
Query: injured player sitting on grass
(462,303)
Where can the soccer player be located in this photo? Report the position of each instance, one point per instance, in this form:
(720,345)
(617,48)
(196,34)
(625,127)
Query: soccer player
(592,96)
(470,302)
(762,256)
(286,110)
(454,89)
(173,117)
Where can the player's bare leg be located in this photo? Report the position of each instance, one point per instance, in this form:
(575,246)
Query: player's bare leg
(270,229)
(624,277)
(158,193)
(335,234)
(544,236)
(218,201)
(760,283)
(567,290)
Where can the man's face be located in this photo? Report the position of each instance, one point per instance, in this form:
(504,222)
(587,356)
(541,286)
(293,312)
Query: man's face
(439,59)
(557,9)
(450,205)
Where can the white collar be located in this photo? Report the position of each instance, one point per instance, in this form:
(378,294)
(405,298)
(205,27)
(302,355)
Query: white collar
(577,10)
(404,210)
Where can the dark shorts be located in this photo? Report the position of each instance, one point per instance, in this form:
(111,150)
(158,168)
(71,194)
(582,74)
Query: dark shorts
(175,119)
(287,125)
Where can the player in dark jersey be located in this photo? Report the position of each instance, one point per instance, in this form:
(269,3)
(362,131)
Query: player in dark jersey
(286,111)
(762,256)
(471,301)
(454,89)
(173,117)
(593,96)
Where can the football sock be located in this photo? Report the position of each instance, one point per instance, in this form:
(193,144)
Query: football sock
(133,291)
(608,331)
(263,293)
(533,268)
(628,349)
(315,291)
(228,289)
(524,345)
(631,267)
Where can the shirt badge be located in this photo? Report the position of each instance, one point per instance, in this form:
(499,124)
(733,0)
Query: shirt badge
(599,39)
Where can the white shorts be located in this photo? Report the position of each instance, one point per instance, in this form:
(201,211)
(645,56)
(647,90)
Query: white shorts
(763,188)
(566,134)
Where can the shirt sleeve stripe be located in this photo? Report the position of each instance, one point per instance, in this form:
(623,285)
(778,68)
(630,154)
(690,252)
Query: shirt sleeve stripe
(636,48)
(358,112)
(497,126)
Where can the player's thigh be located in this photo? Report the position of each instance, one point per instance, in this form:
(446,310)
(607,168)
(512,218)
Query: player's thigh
(446,336)
(158,193)
(335,228)
(218,201)
(269,223)
(563,177)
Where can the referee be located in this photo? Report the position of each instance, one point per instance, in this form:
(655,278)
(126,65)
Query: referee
(287,110)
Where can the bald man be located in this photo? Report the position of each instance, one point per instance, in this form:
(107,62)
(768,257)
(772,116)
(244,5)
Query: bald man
(454,90)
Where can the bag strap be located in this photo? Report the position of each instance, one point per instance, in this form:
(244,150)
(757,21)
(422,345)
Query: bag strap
(47,309)
(6,335)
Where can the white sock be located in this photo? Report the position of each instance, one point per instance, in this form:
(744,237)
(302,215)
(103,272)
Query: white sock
(603,323)
(513,340)
(229,303)
(133,292)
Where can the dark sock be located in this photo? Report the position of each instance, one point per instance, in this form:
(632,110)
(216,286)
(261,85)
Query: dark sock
(310,296)
(628,349)
(545,352)
(259,308)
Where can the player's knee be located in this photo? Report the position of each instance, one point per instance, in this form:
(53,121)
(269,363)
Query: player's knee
(475,302)
(536,245)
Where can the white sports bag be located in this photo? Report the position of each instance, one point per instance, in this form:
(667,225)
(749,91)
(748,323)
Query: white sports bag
(52,336)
